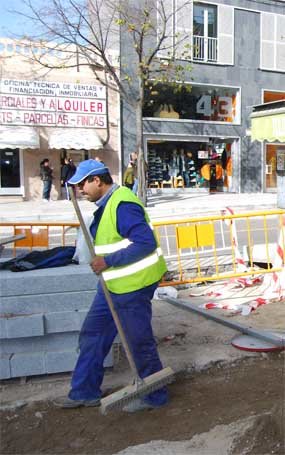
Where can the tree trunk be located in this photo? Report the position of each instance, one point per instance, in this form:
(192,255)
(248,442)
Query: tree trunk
(140,151)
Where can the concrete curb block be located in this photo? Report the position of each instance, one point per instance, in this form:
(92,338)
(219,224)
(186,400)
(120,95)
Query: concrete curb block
(41,315)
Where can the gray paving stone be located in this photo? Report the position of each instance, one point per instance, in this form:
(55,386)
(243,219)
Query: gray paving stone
(27,364)
(42,313)
(60,361)
(25,326)
(62,321)
(58,279)
(3,327)
(5,372)
(47,303)
(49,342)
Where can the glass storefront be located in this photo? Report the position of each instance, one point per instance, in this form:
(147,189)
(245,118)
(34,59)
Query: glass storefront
(200,103)
(270,165)
(197,165)
(271,149)
(9,171)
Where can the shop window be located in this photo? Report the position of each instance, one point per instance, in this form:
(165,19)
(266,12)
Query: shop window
(182,165)
(270,165)
(269,97)
(201,103)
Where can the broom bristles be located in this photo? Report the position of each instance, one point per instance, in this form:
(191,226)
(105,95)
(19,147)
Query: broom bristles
(121,398)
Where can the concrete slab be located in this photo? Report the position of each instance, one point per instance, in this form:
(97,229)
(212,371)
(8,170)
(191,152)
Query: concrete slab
(59,279)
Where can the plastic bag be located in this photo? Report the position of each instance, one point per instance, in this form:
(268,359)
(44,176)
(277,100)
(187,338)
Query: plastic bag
(82,253)
(164,292)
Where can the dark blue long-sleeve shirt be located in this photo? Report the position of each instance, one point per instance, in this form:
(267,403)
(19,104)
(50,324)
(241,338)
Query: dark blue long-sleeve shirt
(131,224)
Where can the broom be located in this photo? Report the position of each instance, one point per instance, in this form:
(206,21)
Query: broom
(140,387)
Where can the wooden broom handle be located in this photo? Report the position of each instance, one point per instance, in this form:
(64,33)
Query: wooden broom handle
(103,284)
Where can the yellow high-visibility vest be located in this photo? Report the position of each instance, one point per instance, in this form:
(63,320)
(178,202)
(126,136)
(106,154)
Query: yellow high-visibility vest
(136,275)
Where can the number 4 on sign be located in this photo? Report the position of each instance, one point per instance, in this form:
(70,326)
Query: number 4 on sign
(203,106)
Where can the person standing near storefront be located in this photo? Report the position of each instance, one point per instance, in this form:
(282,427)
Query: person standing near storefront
(134,160)
(229,171)
(129,176)
(67,171)
(46,176)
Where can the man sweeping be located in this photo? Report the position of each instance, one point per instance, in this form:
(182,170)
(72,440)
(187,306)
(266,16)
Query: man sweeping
(131,264)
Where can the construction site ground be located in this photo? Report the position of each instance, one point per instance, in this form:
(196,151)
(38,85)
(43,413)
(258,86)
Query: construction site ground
(224,400)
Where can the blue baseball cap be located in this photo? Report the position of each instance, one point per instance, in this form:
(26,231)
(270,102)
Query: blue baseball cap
(86,168)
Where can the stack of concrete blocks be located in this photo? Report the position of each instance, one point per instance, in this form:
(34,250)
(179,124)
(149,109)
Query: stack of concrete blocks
(41,313)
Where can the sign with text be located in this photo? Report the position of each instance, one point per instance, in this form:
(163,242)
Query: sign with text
(203,154)
(218,108)
(46,103)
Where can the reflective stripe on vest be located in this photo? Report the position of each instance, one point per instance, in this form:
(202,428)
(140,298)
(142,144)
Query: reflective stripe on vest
(111,248)
(133,268)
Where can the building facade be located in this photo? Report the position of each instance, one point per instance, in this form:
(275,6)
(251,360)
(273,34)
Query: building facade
(201,139)
(51,114)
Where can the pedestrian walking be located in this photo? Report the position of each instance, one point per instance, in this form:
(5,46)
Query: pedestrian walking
(46,176)
(130,260)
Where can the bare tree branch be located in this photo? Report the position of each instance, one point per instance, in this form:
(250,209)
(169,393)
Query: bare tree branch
(84,33)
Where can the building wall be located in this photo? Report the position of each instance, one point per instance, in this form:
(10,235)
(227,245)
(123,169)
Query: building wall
(15,65)
(245,73)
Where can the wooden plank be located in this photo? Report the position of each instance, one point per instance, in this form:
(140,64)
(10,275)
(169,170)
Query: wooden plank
(12,239)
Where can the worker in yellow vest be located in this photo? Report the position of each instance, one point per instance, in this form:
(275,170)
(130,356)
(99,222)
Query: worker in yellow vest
(131,262)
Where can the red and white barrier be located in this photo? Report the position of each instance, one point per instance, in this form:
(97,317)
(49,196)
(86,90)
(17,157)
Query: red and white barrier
(272,287)
(241,265)
(274,283)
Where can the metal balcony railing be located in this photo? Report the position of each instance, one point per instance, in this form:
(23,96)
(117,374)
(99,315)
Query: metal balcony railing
(205,49)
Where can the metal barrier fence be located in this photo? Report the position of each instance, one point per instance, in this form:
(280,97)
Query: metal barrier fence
(40,235)
(221,247)
(196,249)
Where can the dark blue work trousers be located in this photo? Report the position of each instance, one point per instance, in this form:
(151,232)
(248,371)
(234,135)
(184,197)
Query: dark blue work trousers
(97,335)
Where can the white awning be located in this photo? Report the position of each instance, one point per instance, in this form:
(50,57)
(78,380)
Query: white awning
(73,138)
(13,137)
(57,138)
(268,125)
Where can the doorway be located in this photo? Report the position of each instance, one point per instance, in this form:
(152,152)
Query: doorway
(10,179)
(270,166)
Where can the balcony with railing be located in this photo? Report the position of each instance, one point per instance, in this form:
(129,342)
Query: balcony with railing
(205,49)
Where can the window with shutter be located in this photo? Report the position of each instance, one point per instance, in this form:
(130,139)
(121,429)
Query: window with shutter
(177,18)
(272,55)
(213,33)
(280,43)
(225,34)
(165,27)
(205,42)
(183,29)
(206,30)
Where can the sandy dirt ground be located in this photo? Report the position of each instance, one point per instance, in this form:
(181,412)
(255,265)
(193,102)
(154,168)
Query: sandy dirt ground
(223,401)
(229,410)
